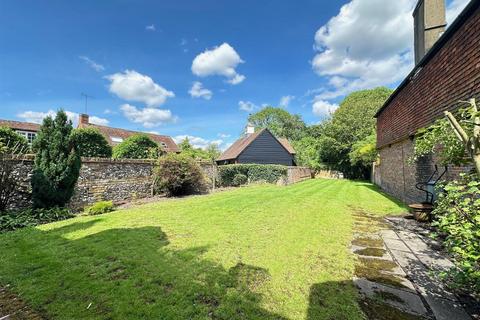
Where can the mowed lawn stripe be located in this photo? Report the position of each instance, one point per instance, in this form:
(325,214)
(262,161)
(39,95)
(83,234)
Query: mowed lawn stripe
(258,252)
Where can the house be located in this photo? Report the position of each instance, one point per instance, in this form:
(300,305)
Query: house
(26,129)
(447,70)
(260,147)
(115,136)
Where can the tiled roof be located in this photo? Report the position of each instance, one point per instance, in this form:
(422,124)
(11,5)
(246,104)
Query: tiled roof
(110,133)
(19,125)
(241,144)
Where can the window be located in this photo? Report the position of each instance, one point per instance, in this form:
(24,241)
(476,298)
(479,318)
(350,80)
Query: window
(164,145)
(30,136)
(116,139)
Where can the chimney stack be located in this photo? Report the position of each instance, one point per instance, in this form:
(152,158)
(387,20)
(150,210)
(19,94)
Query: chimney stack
(83,120)
(429,24)
(250,129)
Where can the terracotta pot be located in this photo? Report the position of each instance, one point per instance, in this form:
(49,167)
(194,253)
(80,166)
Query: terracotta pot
(421,211)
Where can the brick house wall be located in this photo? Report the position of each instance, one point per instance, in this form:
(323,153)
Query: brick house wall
(448,74)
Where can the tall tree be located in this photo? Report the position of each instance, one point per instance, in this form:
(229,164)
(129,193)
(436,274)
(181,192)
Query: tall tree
(57,163)
(280,122)
(352,122)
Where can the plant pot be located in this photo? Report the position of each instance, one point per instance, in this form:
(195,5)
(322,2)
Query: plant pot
(422,211)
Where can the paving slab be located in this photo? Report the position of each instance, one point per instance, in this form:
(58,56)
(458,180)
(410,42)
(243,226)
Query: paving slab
(403,300)
(392,244)
(389,234)
(444,309)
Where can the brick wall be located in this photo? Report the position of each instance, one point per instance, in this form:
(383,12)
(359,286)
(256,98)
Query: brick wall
(398,177)
(452,74)
(297,174)
(439,83)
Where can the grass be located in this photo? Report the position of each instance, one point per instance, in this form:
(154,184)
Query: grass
(259,252)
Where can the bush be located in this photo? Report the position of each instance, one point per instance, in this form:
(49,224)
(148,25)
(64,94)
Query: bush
(57,163)
(100,207)
(13,220)
(13,142)
(269,173)
(457,217)
(91,143)
(178,174)
(138,146)
(239,180)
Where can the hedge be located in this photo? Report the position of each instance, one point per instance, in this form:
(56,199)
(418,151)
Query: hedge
(269,173)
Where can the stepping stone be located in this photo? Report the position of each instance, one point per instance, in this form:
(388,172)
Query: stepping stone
(401,299)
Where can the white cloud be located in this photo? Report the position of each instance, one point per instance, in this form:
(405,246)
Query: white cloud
(198,91)
(221,60)
(37,117)
(148,117)
(367,44)
(246,106)
(197,142)
(224,135)
(454,9)
(150,27)
(92,64)
(133,86)
(285,101)
(323,108)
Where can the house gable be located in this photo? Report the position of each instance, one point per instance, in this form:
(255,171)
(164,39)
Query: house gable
(266,149)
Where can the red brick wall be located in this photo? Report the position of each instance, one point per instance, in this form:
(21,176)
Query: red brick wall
(453,74)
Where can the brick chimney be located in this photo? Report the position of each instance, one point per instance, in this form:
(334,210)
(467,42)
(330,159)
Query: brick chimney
(429,24)
(83,120)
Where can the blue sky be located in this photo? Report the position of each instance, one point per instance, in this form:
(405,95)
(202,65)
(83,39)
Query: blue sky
(197,68)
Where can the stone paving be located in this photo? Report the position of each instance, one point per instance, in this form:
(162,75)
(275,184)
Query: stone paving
(396,271)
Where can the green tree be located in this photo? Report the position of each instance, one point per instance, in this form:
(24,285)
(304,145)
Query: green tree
(57,163)
(364,152)
(307,152)
(12,141)
(210,153)
(138,146)
(91,143)
(280,122)
(352,122)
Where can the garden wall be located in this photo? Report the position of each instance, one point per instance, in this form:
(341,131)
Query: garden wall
(100,179)
(297,174)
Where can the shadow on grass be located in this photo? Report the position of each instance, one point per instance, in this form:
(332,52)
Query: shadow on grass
(126,274)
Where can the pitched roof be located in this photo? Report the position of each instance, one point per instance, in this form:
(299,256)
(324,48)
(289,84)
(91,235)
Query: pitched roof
(451,30)
(241,144)
(19,125)
(109,133)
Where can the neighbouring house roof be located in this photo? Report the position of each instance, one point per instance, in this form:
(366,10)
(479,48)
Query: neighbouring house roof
(241,144)
(116,135)
(19,125)
(447,35)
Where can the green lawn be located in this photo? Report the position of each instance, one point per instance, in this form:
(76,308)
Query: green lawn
(260,252)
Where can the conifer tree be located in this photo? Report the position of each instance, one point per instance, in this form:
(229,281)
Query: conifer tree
(57,163)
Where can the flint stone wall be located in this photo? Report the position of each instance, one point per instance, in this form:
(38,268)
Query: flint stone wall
(100,179)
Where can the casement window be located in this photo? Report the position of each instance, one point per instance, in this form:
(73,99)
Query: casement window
(30,136)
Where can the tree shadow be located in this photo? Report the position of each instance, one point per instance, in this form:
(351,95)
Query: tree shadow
(126,274)
(328,301)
